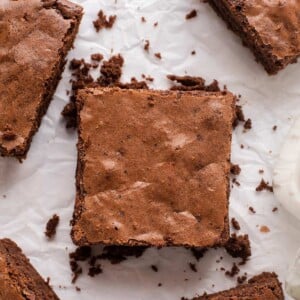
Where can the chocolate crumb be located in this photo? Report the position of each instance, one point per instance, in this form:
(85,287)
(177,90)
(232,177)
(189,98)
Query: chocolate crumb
(248,124)
(235,224)
(143,19)
(51,226)
(155,24)
(239,116)
(154,268)
(264,186)
(158,55)
(234,180)
(261,171)
(78,289)
(274,128)
(159,284)
(264,229)
(275,209)
(235,169)
(193,52)
(104,22)
(97,57)
(193,267)
(95,270)
(241,279)
(252,210)
(234,271)
(239,247)
(198,252)
(191,14)
(147,45)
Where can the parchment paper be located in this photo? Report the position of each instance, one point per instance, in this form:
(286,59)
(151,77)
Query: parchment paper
(43,184)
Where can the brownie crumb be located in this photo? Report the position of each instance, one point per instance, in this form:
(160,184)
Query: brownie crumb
(193,52)
(158,55)
(147,78)
(239,116)
(235,224)
(274,128)
(191,83)
(134,84)
(275,209)
(159,284)
(234,180)
(103,21)
(248,124)
(241,279)
(239,247)
(251,209)
(261,171)
(97,57)
(193,267)
(235,169)
(264,186)
(155,24)
(234,271)
(198,252)
(51,226)
(143,19)
(147,45)
(191,14)
(154,268)
(264,229)
(78,289)
(81,253)
(95,270)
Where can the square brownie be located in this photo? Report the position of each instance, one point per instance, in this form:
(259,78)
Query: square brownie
(269,28)
(18,279)
(35,37)
(261,287)
(153,167)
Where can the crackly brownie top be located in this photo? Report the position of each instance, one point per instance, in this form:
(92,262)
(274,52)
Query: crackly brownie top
(18,279)
(261,287)
(153,167)
(32,33)
(276,21)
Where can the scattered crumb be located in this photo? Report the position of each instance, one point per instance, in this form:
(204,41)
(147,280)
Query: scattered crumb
(158,55)
(51,226)
(234,180)
(159,284)
(261,171)
(242,146)
(104,22)
(143,19)
(235,169)
(264,186)
(248,124)
(193,52)
(193,267)
(191,14)
(239,116)
(274,128)
(148,77)
(198,252)
(241,279)
(264,229)
(78,289)
(155,24)
(97,57)
(234,271)
(239,246)
(147,45)
(252,210)
(275,209)
(154,268)
(95,270)
(235,224)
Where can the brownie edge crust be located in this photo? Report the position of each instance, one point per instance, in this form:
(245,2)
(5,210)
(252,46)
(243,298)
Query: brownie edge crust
(269,28)
(36,37)
(18,279)
(153,168)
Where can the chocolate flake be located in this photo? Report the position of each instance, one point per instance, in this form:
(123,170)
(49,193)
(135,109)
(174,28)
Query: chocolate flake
(51,226)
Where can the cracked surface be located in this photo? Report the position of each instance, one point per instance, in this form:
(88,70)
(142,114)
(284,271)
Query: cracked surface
(153,167)
(35,37)
(18,279)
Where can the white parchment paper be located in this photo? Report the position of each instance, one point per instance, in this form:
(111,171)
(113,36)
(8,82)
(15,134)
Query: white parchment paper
(43,184)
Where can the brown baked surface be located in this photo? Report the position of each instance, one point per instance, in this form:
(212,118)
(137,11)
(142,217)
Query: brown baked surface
(35,37)
(269,28)
(262,287)
(18,279)
(153,167)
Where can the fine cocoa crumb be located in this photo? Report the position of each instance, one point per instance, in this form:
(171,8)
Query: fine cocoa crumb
(158,55)
(235,224)
(104,22)
(191,14)
(234,271)
(264,229)
(147,45)
(95,270)
(148,77)
(198,252)
(235,169)
(97,57)
(251,209)
(239,116)
(275,209)
(143,19)
(154,268)
(159,284)
(248,124)
(51,226)
(239,246)
(193,52)
(264,186)
(234,180)
(193,267)
(155,24)
(274,128)
(261,171)
(241,279)
(78,289)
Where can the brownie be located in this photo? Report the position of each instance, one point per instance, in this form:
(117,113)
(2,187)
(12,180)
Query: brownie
(18,278)
(269,28)
(261,287)
(153,167)
(34,41)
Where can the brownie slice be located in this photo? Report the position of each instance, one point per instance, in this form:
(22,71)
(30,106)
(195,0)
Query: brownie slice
(18,279)
(269,28)
(35,37)
(153,167)
(262,287)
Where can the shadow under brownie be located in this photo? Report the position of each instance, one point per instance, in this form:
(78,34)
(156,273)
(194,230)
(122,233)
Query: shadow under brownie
(269,28)
(153,167)
(261,287)
(34,41)
(18,279)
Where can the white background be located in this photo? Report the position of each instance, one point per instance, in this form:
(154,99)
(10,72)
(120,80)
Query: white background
(44,183)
